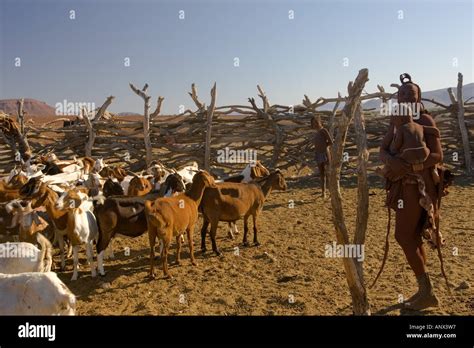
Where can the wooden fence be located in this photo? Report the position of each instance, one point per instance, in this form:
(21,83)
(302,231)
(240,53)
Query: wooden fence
(279,135)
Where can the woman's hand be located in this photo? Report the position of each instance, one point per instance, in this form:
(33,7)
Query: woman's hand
(397,168)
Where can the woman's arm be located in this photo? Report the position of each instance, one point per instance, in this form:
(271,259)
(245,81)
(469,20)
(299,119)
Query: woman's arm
(384,153)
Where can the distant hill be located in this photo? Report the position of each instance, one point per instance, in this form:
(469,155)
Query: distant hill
(32,107)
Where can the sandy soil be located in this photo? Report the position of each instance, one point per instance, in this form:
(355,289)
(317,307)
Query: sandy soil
(289,273)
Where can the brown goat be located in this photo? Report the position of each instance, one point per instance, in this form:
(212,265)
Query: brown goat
(8,193)
(113,172)
(42,195)
(169,217)
(232,201)
(139,186)
(30,227)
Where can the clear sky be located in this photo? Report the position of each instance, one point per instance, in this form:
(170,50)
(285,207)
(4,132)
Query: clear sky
(82,59)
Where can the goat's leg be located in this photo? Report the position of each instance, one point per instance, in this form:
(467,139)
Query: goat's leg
(75,255)
(178,248)
(90,257)
(60,239)
(69,249)
(166,246)
(152,238)
(102,243)
(255,230)
(189,232)
(205,224)
(213,238)
(109,251)
(231,227)
(246,231)
(100,263)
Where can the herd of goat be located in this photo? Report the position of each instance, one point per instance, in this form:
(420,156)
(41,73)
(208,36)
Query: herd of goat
(70,203)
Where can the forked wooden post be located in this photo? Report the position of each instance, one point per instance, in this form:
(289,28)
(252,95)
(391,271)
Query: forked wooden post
(362,185)
(89,124)
(353,270)
(90,130)
(25,149)
(210,114)
(146,119)
(21,116)
(462,124)
(265,114)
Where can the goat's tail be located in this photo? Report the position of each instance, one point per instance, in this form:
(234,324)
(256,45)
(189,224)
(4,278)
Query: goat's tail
(387,244)
(46,255)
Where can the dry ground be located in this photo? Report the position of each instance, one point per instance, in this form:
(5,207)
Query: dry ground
(289,273)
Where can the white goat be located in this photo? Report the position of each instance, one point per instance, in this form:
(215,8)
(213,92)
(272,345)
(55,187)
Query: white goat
(21,257)
(81,227)
(35,294)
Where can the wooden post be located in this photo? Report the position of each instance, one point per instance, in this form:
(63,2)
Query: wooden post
(21,116)
(265,114)
(333,115)
(362,185)
(100,113)
(90,129)
(89,124)
(25,149)
(360,303)
(201,107)
(146,120)
(462,125)
(210,113)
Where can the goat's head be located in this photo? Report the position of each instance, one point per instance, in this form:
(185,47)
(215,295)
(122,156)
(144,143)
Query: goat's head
(112,188)
(93,181)
(49,157)
(17,178)
(70,199)
(32,188)
(175,183)
(277,180)
(98,165)
(204,178)
(22,214)
(139,183)
(36,191)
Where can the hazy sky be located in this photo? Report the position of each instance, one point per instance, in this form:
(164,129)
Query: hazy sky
(82,59)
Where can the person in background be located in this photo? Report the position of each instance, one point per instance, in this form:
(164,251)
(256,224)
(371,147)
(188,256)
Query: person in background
(322,140)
